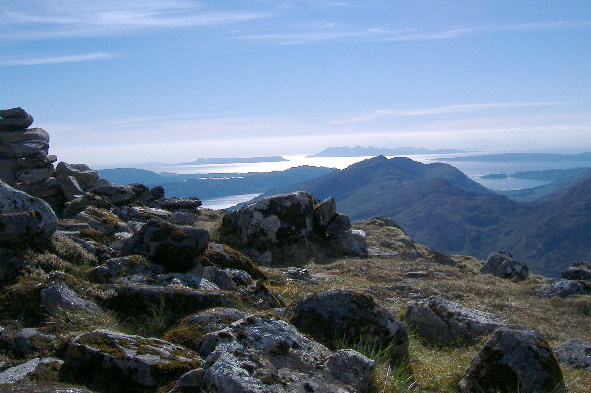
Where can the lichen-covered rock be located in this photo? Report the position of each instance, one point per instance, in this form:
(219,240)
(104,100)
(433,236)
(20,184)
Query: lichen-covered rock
(28,341)
(227,279)
(514,360)
(285,218)
(263,354)
(282,228)
(336,315)
(102,220)
(574,353)
(442,321)
(24,219)
(108,361)
(175,247)
(564,288)
(501,264)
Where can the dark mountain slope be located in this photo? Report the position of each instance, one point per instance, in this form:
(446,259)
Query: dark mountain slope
(436,204)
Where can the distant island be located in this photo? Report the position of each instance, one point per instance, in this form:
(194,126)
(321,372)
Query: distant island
(360,151)
(232,160)
(522,157)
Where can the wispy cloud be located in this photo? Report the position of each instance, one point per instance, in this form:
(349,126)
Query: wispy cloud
(39,19)
(441,110)
(56,59)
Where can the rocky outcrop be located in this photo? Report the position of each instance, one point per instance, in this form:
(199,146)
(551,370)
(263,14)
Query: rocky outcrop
(268,227)
(514,360)
(578,271)
(107,361)
(24,219)
(441,321)
(47,368)
(501,264)
(261,353)
(339,317)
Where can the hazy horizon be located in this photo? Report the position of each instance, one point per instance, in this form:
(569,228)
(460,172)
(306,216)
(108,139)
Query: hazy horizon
(122,82)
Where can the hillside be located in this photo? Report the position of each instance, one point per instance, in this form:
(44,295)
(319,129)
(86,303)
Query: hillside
(442,208)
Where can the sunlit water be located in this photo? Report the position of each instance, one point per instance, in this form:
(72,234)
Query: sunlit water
(473,169)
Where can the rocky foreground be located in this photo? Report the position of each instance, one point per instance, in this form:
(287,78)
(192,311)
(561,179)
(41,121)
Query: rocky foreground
(111,288)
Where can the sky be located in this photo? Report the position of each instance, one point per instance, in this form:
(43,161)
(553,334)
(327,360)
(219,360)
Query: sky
(123,82)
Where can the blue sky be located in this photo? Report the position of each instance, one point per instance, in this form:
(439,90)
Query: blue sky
(117,82)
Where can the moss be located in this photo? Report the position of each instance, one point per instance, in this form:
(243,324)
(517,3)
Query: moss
(187,336)
(102,343)
(92,234)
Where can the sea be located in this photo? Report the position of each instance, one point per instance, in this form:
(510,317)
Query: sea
(473,169)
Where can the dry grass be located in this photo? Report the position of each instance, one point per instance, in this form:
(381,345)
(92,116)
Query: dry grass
(438,369)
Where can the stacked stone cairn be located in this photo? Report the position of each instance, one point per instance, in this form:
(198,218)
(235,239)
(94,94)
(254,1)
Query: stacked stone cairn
(25,162)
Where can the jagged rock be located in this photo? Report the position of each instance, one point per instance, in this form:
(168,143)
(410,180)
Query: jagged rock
(442,321)
(261,353)
(338,315)
(578,271)
(61,298)
(34,369)
(178,301)
(501,264)
(186,280)
(14,119)
(175,247)
(190,329)
(223,256)
(324,212)
(24,219)
(183,218)
(574,353)
(108,361)
(258,295)
(123,266)
(514,360)
(564,288)
(84,175)
(29,340)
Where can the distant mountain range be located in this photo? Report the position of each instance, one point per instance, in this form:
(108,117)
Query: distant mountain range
(442,208)
(359,151)
(522,157)
(214,185)
(233,160)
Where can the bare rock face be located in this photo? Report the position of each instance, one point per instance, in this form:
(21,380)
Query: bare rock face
(267,228)
(501,264)
(24,219)
(442,321)
(107,360)
(335,315)
(513,360)
(261,353)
